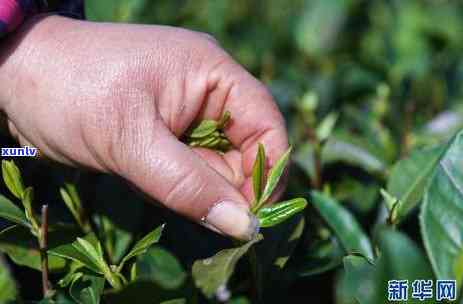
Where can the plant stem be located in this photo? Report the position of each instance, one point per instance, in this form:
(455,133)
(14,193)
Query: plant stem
(43,242)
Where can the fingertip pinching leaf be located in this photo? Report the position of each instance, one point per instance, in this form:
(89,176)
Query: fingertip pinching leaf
(278,213)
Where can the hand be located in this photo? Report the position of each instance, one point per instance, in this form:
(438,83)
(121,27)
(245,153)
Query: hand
(116,98)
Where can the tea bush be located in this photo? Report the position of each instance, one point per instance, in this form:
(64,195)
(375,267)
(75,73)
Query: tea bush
(372,98)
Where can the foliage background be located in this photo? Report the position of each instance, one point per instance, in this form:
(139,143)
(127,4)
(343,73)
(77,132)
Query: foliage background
(388,70)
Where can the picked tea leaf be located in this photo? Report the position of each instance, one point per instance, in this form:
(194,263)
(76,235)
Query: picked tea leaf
(209,134)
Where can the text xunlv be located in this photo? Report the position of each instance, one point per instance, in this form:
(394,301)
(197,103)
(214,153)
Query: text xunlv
(20,152)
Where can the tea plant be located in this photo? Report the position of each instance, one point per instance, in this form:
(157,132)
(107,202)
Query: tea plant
(373,105)
(87,271)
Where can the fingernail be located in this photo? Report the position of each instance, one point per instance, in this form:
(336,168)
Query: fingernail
(231,219)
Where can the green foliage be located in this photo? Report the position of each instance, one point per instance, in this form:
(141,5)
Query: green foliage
(344,225)
(371,94)
(7,284)
(142,246)
(12,213)
(410,176)
(12,178)
(212,274)
(160,266)
(441,213)
(276,214)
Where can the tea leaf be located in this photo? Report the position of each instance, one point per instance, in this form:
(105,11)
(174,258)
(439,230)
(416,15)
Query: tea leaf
(115,229)
(27,203)
(441,217)
(87,288)
(75,252)
(392,264)
(222,123)
(142,246)
(7,284)
(22,247)
(95,253)
(204,129)
(72,200)
(354,151)
(274,176)
(344,225)
(321,256)
(277,213)
(258,173)
(12,178)
(211,273)
(11,212)
(160,266)
(326,127)
(410,176)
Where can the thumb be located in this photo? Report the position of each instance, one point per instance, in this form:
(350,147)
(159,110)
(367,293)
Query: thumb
(169,171)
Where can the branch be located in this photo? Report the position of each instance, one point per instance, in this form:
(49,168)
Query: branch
(43,250)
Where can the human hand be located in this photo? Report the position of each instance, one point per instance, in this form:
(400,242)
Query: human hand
(117,98)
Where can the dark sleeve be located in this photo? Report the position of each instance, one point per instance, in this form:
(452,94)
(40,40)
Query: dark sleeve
(14,12)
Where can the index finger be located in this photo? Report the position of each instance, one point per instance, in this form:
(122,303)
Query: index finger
(255,115)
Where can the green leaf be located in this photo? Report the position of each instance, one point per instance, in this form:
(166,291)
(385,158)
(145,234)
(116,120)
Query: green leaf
(321,256)
(441,218)
(204,129)
(326,126)
(400,259)
(11,212)
(359,273)
(368,283)
(160,266)
(86,288)
(75,252)
(353,151)
(8,289)
(22,247)
(28,197)
(258,173)
(274,176)
(344,225)
(410,176)
(222,123)
(12,178)
(277,213)
(72,200)
(114,228)
(94,253)
(212,273)
(142,246)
